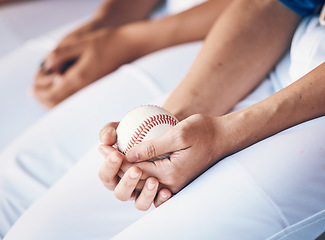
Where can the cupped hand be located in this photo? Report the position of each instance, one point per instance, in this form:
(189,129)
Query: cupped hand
(195,144)
(126,179)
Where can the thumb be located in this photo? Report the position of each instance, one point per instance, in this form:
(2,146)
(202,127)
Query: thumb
(155,149)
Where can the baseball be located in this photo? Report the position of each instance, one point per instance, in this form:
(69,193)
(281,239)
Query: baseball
(142,124)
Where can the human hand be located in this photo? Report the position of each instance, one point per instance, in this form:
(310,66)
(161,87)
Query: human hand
(125,179)
(196,143)
(80,59)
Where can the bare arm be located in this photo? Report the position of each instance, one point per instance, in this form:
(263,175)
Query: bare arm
(242,47)
(191,25)
(118,12)
(237,55)
(299,102)
(77,60)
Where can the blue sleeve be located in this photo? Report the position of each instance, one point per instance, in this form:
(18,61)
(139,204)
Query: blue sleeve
(304,7)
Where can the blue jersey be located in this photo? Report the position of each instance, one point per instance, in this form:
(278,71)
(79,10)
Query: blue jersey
(304,7)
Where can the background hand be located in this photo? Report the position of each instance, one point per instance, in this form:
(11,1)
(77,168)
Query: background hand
(76,63)
(90,52)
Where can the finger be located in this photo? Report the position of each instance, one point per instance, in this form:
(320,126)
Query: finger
(41,93)
(106,150)
(62,86)
(140,184)
(156,147)
(47,94)
(60,57)
(147,195)
(107,134)
(126,186)
(109,170)
(163,195)
(124,168)
(42,80)
(149,168)
(75,78)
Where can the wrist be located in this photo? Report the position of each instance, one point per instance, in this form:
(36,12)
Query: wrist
(146,36)
(119,12)
(250,125)
(110,13)
(225,138)
(117,46)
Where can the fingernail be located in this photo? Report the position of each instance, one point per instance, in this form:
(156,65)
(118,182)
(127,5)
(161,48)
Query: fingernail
(132,156)
(134,174)
(164,195)
(108,132)
(151,185)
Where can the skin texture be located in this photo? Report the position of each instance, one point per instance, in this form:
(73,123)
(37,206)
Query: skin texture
(237,54)
(77,60)
(117,34)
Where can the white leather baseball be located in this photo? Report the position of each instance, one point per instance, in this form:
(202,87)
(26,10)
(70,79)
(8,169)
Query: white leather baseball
(142,124)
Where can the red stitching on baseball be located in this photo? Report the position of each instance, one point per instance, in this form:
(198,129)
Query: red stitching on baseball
(145,127)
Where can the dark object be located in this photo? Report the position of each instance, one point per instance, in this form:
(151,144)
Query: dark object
(67,65)
(321,237)
(64,68)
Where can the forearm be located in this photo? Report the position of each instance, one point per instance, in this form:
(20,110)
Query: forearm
(191,25)
(242,47)
(299,102)
(119,12)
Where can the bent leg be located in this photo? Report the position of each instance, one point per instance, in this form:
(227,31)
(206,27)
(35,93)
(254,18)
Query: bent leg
(18,109)
(253,194)
(77,207)
(50,148)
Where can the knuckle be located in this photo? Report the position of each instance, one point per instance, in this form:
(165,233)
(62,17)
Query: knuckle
(53,55)
(81,75)
(198,117)
(117,156)
(58,51)
(150,151)
(128,184)
(181,136)
(171,179)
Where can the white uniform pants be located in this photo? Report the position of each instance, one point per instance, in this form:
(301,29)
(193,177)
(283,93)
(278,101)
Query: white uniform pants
(273,188)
